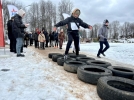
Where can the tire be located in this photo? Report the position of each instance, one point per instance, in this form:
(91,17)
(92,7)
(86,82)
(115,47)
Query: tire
(72,66)
(73,55)
(55,57)
(91,74)
(115,88)
(122,71)
(98,63)
(51,54)
(60,61)
(84,59)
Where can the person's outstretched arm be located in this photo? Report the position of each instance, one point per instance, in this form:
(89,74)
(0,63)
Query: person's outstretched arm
(62,23)
(85,25)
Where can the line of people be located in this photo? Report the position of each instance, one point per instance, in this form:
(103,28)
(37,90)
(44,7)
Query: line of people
(43,38)
(73,23)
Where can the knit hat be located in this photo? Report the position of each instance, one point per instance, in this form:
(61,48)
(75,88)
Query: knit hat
(21,12)
(106,21)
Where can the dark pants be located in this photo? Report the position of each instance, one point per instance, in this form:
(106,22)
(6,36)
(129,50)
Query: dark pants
(47,43)
(26,42)
(73,36)
(14,45)
(31,42)
(42,45)
(12,49)
(61,42)
(51,43)
(56,43)
(36,43)
(101,50)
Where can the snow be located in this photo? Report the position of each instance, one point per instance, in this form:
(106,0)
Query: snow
(121,52)
(36,77)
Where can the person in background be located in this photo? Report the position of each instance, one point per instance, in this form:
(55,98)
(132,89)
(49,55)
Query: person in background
(26,39)
(74,23)
(42,39)
(56,39)
(51,35)
(31,38)
(18,29)
(61,38)
(11,35)
(46,36)
(36,38)
(103,35)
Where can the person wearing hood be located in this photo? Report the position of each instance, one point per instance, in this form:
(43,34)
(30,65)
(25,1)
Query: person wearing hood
(73,23)
(103,36)
(42,39)
(11,35)
(18,29)
(61,38)
(36,42)
(56,38)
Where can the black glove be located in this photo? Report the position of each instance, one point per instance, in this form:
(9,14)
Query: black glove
(105,39)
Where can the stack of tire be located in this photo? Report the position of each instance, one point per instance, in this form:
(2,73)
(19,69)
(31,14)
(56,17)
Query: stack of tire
(113,82)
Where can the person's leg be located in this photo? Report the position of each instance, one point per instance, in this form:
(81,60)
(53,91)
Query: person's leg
(50,42)
(15,42)
(43,45)
(60,43)
(101,47)
(35,43)
(76,43)
(46,43)
(11,45)
(27,43)
(74,48)
(30,42)
(19,46)
(68,43)
(22,49)
(106,46)
(57,43)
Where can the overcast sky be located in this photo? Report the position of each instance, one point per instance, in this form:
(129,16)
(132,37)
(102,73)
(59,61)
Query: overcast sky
(95,11)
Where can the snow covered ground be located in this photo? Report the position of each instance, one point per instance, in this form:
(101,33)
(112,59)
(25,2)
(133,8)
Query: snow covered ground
(36,77)
(121,52)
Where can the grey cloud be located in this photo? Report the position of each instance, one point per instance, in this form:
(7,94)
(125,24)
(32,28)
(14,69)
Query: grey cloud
(95,11)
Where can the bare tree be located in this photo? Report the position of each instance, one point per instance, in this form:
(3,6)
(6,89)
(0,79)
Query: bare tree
(65,6)
(115,27)
(126,27)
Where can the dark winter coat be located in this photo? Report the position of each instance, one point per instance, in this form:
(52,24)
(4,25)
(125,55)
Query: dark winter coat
(70,20)
(26,36)
(46,35)
(51,36)
(56,36)
(36,36)
(18,27)
(61,36)
(9,28)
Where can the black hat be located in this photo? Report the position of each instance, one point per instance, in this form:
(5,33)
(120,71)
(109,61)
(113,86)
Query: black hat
(106,21)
